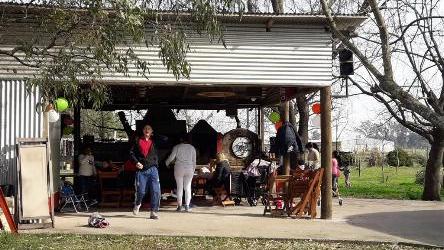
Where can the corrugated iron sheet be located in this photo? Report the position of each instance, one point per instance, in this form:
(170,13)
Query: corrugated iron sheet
(286,56)
(18,119)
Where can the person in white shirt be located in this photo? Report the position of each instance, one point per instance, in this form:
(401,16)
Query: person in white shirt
(184,157)
(87,171)
(313,157)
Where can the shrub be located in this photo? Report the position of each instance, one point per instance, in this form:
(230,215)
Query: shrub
(404,158)
(419,178)
(347,159)
(419,159)
(375,158)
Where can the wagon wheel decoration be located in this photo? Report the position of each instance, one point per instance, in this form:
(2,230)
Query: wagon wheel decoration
(242,147)
(239,145)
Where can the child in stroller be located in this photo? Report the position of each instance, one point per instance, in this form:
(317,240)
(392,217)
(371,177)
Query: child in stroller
(253,181)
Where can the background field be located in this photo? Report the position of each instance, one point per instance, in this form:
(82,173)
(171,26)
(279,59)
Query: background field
(387,184)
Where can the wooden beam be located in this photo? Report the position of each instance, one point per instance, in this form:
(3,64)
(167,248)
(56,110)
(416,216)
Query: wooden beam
(5,209)
(326,151)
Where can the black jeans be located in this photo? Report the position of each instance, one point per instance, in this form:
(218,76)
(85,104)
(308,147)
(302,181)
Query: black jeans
(87,184)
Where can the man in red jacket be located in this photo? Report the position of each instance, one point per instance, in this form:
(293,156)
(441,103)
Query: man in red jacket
(144,155)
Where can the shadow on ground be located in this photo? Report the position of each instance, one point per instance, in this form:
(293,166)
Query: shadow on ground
(405,224)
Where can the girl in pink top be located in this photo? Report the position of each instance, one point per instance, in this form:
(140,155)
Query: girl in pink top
(335,172)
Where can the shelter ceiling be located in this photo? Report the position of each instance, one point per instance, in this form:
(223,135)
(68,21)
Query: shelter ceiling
(125,97)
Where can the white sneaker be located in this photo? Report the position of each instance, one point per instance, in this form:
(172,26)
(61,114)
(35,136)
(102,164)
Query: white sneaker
(154,215)
(187,208)
(136,209)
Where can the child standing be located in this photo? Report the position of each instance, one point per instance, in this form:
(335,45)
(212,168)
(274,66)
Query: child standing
(335,172)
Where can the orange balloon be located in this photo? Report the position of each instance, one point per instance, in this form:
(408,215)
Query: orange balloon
(316,108)
(278,124)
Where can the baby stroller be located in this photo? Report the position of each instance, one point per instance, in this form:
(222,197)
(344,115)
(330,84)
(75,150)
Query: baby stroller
(253,182)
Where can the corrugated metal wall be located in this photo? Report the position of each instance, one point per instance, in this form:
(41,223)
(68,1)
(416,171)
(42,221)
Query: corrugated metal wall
(18,119)
(297,55)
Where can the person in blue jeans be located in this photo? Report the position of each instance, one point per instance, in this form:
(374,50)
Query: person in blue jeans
(144,154)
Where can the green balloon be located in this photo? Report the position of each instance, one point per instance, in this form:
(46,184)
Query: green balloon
(274,117)
(61,104)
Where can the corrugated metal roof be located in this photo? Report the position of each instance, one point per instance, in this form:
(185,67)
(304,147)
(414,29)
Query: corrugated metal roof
(344,21)
(299,55)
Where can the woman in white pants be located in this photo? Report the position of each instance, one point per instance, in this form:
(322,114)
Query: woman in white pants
(184,157)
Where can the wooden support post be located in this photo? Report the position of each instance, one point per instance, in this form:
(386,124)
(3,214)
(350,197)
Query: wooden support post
(326,151)
(77,138)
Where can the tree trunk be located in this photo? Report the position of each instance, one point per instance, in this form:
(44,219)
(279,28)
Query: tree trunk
(303,110)
(278,6)
(252,6)
(433,169)
(292,115)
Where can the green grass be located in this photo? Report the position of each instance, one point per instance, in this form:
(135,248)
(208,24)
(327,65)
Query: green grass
(396,185)
(71,241)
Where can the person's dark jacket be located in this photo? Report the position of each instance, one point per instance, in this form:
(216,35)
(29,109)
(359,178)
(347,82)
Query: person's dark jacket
(151,159)
(221,175)
(287,138)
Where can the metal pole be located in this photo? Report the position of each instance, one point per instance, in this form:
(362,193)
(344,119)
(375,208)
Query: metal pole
(260,111)
(326,150)
(248,119)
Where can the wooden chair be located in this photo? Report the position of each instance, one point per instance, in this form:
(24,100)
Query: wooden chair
(198,187)
(307,186)
(110,193)
(275,194)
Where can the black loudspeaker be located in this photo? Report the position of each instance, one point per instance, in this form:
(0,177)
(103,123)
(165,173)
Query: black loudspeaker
(346,62)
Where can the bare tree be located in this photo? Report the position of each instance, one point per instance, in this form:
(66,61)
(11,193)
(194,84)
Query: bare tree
(404,65)
(252,6)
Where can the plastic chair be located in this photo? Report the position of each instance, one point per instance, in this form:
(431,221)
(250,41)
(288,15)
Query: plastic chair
(69,197)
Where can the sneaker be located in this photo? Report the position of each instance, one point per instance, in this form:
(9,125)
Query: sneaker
(154,215)
(136,209)
(179,209)
(187,208)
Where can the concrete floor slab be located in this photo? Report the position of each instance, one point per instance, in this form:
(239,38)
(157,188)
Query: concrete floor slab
(358,219)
